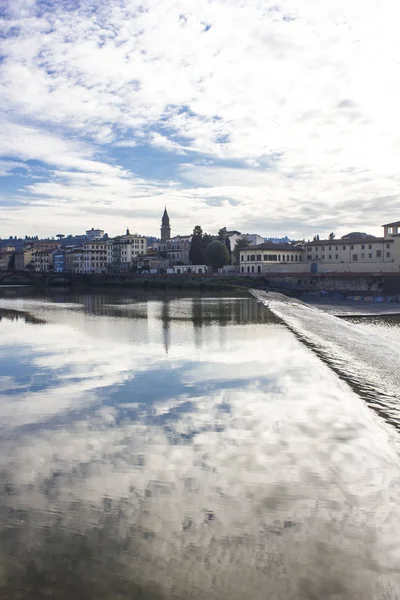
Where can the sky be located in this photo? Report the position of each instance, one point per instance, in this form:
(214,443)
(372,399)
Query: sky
(278,118)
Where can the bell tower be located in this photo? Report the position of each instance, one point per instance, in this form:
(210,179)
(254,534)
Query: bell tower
(165,227)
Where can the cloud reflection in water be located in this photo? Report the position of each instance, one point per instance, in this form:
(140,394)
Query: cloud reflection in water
(234,465)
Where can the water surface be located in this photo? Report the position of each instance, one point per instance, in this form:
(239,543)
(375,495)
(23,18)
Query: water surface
(186,447)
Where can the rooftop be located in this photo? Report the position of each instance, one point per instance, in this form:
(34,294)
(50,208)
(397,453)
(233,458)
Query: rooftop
(272,246)
(394,224)
(368,239)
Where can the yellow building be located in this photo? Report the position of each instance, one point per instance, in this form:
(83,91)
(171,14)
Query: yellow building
(272,258)
(356,253)
(23,259)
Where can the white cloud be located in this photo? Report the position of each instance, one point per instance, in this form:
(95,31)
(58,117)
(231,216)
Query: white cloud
(315,85)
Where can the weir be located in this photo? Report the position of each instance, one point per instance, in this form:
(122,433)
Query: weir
(367,360)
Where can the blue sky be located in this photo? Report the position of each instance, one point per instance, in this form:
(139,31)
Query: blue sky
(269,117)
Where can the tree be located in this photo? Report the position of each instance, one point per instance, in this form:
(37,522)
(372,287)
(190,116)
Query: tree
(240,244)
(331,236)
(222,234)
(196,252)
(197,231)
(60,236)
(216,255)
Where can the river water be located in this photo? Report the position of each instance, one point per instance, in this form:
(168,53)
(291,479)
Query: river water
(163,447)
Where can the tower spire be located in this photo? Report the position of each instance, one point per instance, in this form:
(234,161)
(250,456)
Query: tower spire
(165,226)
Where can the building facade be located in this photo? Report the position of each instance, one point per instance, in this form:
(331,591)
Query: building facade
(123,251)
(42,245)
(176,249)
(23,259)
(353,254)
(272,258)
(43,260)
(94,234)
(59,261)
(6,257)
(190,269)
(95,256)
(74,260)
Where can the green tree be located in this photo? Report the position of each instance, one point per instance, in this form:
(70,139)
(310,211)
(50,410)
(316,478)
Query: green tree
(196,252)
(216,255)
(240,244)
(222,234)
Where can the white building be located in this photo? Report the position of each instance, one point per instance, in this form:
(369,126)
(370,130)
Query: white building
(43,260)
(124,250)
(187,269)
(94,234)
(253,239)
(272,258)
(95,256)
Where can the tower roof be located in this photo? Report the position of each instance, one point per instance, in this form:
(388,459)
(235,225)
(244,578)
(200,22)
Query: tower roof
(165,217)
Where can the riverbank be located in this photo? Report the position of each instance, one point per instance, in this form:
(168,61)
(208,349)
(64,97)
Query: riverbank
(82,281)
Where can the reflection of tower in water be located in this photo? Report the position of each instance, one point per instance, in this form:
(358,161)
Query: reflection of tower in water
(198,321)
(166,324)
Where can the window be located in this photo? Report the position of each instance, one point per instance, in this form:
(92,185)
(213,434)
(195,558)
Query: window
(259,257)
(387,245)
(252,269)
(355,257)
(323,257)
(352,247)
(387,254)
(265,256)
(362,255)
(296,258)
(390,229)
(362,246)
(378,253)
(369,246)
(242,258)
(279,257)
(259,269)
(252,257)
(309,249)
(242,269)
(336,248)
(248,269)
(330,256)
(344,247)
(329,248)
(291,258)
(369,254)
